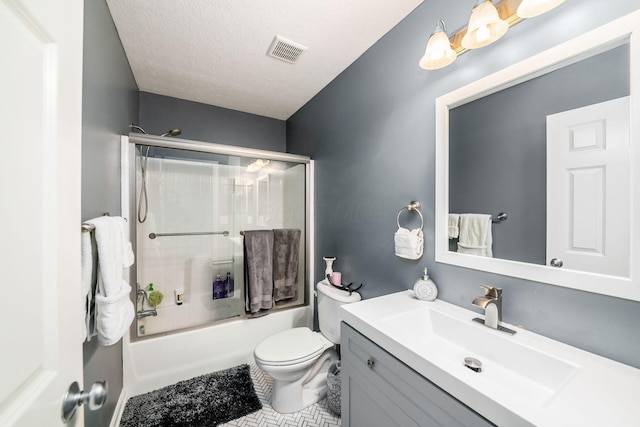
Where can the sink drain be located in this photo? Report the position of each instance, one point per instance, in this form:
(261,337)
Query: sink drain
(472,363)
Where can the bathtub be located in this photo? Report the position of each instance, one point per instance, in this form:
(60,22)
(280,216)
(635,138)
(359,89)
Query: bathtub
(152,363)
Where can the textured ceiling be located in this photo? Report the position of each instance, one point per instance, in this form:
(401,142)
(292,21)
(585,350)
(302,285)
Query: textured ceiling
(215,51)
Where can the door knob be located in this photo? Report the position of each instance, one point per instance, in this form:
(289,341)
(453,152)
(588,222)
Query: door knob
(556,262)
(74,398)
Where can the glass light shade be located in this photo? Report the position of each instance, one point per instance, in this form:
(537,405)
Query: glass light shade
(438,53)
(485,26)
(531,8)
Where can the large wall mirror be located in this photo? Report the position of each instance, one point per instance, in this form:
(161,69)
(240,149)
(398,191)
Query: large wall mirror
(552,142)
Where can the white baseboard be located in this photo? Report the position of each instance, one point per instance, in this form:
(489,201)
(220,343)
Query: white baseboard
(117,413)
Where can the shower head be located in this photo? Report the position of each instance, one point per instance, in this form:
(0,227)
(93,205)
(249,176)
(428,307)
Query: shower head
(172,132)
(138,128)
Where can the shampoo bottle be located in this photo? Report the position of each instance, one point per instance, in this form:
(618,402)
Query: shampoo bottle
(218,288)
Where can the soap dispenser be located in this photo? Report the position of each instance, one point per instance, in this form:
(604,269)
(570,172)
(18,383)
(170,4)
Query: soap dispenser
(424,288)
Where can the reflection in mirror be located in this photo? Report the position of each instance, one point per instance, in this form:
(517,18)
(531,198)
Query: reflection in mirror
(552,142)
(498,162)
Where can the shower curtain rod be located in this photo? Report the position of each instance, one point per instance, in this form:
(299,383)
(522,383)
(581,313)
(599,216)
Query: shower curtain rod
(214,148)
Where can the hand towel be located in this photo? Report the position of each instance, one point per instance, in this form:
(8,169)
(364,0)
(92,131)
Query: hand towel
(114,315)
(258,271)
(409,244)
(454,221)
(86,270)
(114,310)
(475,235)
(286,259)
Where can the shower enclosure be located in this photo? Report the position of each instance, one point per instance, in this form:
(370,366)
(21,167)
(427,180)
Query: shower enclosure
(189,204)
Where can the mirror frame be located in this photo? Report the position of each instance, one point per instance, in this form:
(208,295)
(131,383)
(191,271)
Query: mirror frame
(603,38)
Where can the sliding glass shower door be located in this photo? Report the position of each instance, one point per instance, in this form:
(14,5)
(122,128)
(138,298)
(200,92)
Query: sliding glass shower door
(191,210)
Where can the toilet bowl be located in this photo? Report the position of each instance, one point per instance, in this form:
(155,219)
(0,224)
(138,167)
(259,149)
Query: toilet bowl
(298,359)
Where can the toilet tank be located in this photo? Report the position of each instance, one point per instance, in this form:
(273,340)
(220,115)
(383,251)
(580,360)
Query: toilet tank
(330,299)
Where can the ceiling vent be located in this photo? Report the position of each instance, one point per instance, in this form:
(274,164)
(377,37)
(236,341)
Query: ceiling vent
(285,50)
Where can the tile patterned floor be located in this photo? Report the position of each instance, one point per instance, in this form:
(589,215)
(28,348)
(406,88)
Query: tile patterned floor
(317,415)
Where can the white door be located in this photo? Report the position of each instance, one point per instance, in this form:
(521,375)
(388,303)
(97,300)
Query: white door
(588,188)
(40,134)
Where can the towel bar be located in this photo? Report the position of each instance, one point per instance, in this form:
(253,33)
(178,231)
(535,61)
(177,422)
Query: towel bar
(502,216)
(86,228)
(415,207)
(222,262)
(202,233)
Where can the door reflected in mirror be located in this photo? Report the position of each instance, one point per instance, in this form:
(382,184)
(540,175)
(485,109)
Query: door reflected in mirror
(553,153)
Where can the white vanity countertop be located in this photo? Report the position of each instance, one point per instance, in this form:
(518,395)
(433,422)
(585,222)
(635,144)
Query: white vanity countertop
(543,383)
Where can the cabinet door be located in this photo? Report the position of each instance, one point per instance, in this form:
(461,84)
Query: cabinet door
(367,405)
(380,390)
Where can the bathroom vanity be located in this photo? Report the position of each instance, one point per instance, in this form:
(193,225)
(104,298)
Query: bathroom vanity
(379,389)
(403,363)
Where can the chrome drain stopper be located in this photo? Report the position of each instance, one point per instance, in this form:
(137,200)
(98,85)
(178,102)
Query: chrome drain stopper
(472,363)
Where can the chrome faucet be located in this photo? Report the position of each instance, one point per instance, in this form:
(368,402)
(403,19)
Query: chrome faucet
(144,313)
(491,302)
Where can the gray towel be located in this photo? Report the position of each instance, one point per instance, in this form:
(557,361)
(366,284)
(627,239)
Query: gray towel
(286,255)
(258,271)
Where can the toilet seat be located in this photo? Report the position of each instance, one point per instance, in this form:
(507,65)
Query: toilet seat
(292,346)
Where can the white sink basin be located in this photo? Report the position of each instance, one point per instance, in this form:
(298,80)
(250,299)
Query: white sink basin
(505,361)
(526,379)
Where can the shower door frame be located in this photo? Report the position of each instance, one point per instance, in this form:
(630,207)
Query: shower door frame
(128,195)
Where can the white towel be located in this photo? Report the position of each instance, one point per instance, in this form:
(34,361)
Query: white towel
(109,234)
(114,315)
(454,221)
(86,268)
(409,244)
(114,309)
(475,235)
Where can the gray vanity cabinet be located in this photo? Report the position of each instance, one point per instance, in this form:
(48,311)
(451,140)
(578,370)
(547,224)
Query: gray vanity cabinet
(379,390)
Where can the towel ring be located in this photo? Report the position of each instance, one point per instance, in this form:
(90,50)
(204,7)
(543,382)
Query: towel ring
(415,207)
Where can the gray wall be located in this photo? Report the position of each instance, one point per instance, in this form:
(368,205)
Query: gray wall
(372,134)
(109,105)
(498,153)
(204,122)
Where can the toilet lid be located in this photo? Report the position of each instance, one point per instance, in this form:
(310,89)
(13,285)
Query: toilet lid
(292,345)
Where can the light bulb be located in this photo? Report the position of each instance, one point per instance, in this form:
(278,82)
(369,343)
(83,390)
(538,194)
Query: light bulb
(483,34)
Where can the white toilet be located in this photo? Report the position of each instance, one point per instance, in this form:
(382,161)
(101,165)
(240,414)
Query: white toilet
(298,359)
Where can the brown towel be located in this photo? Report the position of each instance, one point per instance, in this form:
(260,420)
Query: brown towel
(286,256)
(258,271)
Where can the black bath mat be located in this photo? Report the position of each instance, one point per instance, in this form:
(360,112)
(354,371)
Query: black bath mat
(204,401)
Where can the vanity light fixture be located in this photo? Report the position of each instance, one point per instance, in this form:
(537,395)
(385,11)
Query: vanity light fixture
(531,8)
(485,26)
(438,53)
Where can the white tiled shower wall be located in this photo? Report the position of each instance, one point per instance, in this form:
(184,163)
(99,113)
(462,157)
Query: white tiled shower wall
(191,196)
